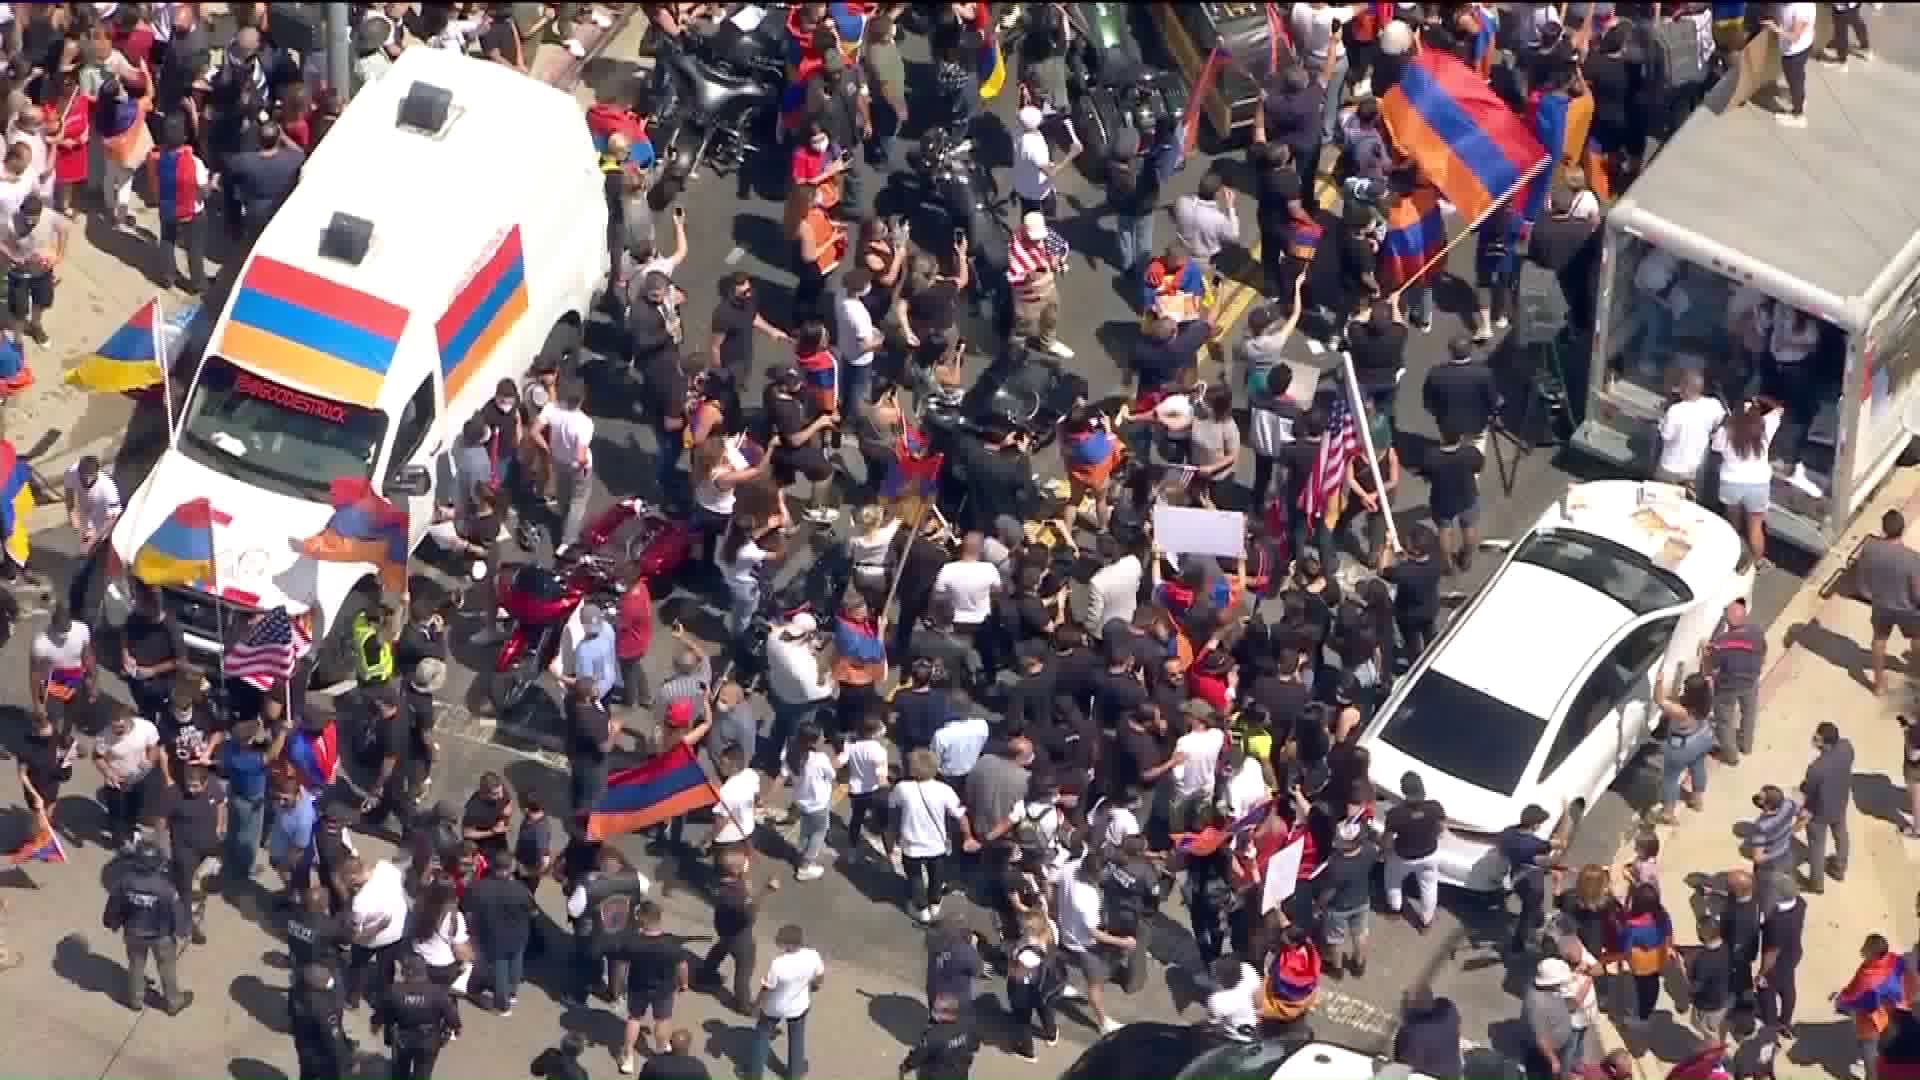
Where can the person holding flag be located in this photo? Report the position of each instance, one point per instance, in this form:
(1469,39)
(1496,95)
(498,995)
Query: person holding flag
(1876,989)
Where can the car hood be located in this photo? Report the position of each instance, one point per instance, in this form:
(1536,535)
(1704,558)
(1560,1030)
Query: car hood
(256,534)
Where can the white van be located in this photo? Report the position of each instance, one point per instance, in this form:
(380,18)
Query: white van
(450,229)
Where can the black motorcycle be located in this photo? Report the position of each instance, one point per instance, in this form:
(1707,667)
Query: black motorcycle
(712,96)
(954,183)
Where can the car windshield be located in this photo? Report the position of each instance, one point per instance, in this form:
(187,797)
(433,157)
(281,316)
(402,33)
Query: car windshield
(1602,565)
(1450,726)
(274,436)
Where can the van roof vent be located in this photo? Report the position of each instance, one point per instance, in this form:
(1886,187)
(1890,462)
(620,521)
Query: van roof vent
(346,238)
(426,108)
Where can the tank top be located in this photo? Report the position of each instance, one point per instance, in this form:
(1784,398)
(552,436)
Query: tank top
(711,496)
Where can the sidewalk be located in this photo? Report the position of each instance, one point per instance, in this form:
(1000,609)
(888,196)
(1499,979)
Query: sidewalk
(107,275)
(1817,663)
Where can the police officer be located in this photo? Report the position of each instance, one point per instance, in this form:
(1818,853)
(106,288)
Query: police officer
(1733,659)
(602,904)
(419,1018)
(315,1012)
(150,913)
(1131,888)
(316,938)
(946,1048)
(373,660)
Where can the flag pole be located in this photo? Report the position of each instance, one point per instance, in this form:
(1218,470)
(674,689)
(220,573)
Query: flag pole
(1352,385)
(158,331)
(1414,278)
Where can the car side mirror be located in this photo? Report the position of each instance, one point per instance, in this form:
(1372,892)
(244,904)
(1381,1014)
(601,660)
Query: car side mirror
(1496,545)
(410,480)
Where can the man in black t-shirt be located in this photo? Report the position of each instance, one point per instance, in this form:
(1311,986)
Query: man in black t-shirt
(487,815)
(1140,755)
(501,909)
(1452,470)
(1359,254)
(195,823)
(667,375)
(1379,350)
(998,475)
(1416,587)
(392,788)
(1570,248)
(151,649)
(1413,833)
(735,319)
(1117,691)
(735,907)
(590,735)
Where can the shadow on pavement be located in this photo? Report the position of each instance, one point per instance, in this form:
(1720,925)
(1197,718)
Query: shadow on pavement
(731,1042)
(266,1004)
(75,961)
(245,1068)
(898,1015)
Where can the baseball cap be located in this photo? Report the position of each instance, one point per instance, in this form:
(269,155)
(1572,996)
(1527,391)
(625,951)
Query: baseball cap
(680,713)
(1030,118)
(1034,224)
(1553,972)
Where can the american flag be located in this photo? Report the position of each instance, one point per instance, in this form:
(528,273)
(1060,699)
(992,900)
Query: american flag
(274,643)
(1338,447)
(1027,257)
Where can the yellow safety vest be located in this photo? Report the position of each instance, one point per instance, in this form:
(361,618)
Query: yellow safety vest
(381,669)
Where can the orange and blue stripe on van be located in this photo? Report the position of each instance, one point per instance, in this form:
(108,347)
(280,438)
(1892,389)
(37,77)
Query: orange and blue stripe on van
(299,327)
(482,312)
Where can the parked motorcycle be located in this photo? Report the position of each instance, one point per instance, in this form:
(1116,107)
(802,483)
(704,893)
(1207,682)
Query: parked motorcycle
(539,602)
(954,182)
(711,96)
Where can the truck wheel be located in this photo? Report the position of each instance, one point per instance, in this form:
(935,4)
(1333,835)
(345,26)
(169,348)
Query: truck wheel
(333,661)
(1911,455)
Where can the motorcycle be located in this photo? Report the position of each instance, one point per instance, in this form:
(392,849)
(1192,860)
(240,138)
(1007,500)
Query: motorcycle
(539,602)
(964,192)
(711,95)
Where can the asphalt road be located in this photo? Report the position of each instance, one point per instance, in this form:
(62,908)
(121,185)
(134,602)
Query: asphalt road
(854,916)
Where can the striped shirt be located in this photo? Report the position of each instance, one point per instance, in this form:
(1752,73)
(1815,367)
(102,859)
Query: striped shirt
(1771,834)
(690,686)
(1027,257)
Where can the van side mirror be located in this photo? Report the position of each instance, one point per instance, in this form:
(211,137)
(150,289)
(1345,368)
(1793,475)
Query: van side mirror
(412,480)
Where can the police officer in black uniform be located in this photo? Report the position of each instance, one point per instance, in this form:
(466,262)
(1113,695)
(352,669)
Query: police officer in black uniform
(316,1010)
(152,916)
(602,905)
(1131,888)
(419,1017)
(946,1048)
(316,937)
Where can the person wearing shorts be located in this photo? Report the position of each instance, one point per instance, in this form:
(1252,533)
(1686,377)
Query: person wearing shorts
(1344,889)
(1887,575)
(657,971)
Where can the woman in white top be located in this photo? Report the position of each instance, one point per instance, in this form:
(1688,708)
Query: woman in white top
(743,554)
(866,761)
(1746,473)
(811,770)
(922,805)
(438,932)
(867,548)
(1793,341)
(719,468)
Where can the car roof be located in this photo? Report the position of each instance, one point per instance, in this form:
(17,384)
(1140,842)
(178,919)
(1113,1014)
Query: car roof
(1530,636)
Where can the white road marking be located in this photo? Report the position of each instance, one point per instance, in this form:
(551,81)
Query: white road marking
(735,255)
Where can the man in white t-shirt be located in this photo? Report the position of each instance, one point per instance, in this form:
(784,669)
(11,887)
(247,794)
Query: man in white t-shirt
(1316,29)
(60,669)
(736,816)
(565,432)
(1196,757)
(1795,27)
(93,501)
(786,995)
(1231,1008)
(855,337)
(799,679)
(918,843)
(132,766)
(1686,430)
(377,920)
(1083,943)
(969,583)
(1033,165)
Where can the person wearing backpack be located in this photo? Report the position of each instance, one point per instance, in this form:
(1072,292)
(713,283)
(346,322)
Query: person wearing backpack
(1133,191)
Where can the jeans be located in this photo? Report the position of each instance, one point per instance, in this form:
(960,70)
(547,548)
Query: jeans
(571,487)
(190,235)
(1817,831)
(166,962)
(1135,235)
(1531,888)
(886,125)
(1646,995)
(863,810)
(811,839)
(763,1032)
(508,965)
(1024,1005)
(1420,305)
(667,462)
(1734,713)
(1336,88)
(1426,875)
(856,387)
(1685,754)
(746,601)
(1264,468)
(245,817)
(1795,69)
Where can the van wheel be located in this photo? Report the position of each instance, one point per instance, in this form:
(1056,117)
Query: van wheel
(333,661)
(562,345)
(1911,455)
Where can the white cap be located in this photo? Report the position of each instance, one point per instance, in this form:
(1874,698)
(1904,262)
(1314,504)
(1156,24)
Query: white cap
(803,622)
(1030,118)
(1035,225)
(1552,972)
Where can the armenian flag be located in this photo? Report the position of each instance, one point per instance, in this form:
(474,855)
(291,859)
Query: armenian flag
(1644,939)
(992,65)
(1091,456)
(289,324)
(129,360)
(1415,238)
(1877,988)
(1292,983)
(859,639)
(180,551)
(482,313)
(365,527)
(1486,30)
(664,786)
(916,467)
(315,756)
(1463,137)
(1561,122)
(16,502)
(43,846)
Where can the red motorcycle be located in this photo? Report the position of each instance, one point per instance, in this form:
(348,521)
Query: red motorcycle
(539,601)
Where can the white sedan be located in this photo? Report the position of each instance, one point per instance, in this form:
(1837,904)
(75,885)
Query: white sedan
(1538,690)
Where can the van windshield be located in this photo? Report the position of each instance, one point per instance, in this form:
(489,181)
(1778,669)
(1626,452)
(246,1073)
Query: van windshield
(275,436)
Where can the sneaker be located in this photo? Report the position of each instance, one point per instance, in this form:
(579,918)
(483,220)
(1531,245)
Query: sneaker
(506,1012)
(1109,1026)
(1482,335)
(933,912)
(821,515)
(1805,483)
(1425,327)
(178,1007)
(917,914)
(1501,323)
(1026,1053)
(1051,1040)
(1054,346)
(809,873)
(626,1064)
(1071,992)
(1791,120)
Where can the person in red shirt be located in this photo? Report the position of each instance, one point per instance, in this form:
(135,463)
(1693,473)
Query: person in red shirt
(632,637)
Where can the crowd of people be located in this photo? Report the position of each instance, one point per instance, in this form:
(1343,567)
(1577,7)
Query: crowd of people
(1021,693)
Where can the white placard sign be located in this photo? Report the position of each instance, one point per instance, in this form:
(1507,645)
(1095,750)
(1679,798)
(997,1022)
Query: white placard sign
(1282,876)
(1191,530)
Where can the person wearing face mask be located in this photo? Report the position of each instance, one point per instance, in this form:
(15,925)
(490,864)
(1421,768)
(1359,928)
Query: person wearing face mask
(316,1014)
(841,107)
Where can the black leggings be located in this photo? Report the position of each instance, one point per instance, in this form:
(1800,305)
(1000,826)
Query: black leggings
(926,877)
(1026,1004)
(1844,21)
(862,809)
(1795,68)
(1646,994)
(1777,1001)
